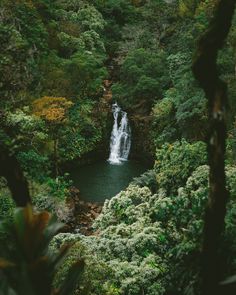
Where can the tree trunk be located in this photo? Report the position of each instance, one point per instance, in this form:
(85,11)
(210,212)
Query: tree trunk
(205,71)
(56,166)
(11,170)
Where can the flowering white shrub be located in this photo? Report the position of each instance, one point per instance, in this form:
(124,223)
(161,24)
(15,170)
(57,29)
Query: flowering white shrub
(132,242)
(126,207)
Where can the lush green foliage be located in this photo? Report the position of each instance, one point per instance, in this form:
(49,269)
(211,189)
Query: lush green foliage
(27,266)
(146,239)
(147,179)
(97,277)
(56,60)
(175,163)
(7,205)
(155,56)
(143,78)
(53,50)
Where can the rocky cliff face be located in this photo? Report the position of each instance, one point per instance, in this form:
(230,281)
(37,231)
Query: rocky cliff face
(142,146)
(141,120)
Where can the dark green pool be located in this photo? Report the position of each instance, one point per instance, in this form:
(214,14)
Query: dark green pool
(101,180)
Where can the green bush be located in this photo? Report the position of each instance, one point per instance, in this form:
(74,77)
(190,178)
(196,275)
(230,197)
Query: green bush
(59,187)
(143,77)
(36,165)
(131,243)
(97,276)
(164,126)
(52,196)
(7,204)
(175,163)
(147,179)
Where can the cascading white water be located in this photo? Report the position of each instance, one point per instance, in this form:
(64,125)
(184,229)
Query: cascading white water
(120,142)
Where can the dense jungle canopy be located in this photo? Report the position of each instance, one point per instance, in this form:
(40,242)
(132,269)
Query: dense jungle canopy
(150,86)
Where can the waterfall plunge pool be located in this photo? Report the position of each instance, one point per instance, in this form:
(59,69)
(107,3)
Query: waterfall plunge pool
(101,180)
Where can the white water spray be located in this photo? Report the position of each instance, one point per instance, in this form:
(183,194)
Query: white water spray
(120,142)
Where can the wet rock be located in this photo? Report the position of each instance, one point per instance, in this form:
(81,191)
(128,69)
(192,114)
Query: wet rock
(82,213)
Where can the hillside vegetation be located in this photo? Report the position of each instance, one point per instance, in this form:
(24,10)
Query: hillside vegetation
(62,64)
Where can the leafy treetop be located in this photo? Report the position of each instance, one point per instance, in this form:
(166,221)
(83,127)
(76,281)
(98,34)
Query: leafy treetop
(52,109)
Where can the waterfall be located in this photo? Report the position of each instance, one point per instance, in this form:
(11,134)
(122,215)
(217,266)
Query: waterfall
(120,141)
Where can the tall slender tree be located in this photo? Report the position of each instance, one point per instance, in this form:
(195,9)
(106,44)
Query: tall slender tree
(206,72)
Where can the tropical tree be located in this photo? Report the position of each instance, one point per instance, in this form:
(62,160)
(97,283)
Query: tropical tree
(54,111)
